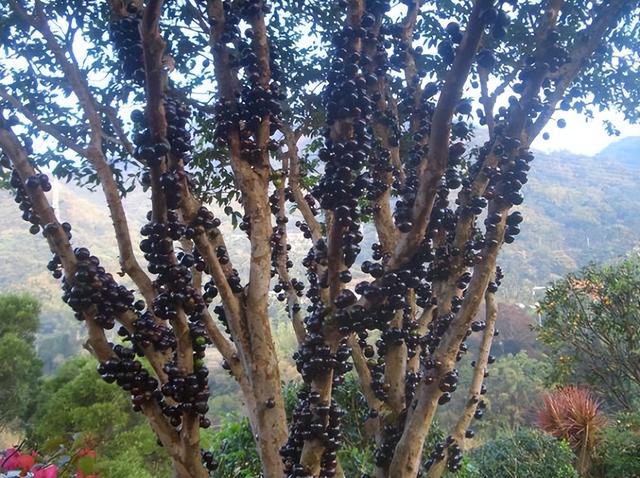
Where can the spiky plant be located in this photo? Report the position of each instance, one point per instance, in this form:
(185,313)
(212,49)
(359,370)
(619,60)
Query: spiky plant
(574,414)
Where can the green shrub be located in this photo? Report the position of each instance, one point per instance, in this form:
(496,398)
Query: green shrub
(75,408)
(234,449)
(620,448)
(527,454)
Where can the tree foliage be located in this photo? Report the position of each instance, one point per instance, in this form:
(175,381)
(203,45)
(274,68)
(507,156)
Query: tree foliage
(20,371)
(619,453)
(592,329)
(346,112)
(19,315)
(75,409)
(526,453)
(20,368)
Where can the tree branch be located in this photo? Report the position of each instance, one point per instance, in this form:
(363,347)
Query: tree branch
(433,165)
(94,153)
(52,130)
(488,101)
(112,115)
(475,388)
(291,141)
(605,19)
(59,244)
(293,304)
(410,69)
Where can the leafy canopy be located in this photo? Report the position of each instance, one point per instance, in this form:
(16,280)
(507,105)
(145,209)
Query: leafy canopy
(591,325)
(300,36)
(19,315)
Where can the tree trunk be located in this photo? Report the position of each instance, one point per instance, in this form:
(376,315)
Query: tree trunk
(264,373)
(189,470)
(270,418)
(408,452)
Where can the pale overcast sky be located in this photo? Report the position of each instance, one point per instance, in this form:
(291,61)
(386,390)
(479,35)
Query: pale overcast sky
(581,136)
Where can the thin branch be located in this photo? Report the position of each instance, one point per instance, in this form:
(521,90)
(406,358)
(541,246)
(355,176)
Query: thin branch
(199,16)
(117,126)
(488,102)
(475,388)
(410,70)
(50,129)
(293,303)
(606,18)
(364,375)
(433,165)
(291,140)
(77,81)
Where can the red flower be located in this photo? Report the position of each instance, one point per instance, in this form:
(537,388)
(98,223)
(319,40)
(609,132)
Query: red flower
(12,459)
(50,471)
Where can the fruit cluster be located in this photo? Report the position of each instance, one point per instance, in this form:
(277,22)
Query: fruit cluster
(125,35)
(253,116)
(40,181)
(313,419)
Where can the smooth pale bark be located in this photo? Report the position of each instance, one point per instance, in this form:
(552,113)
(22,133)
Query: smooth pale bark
(474,393)
(258,351)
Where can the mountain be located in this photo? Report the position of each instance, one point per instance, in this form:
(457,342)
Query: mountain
(577,209)
(624,151)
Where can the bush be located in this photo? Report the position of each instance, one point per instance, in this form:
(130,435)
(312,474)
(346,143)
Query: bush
(235,450)
(76,409)
(620,451)
(527,454)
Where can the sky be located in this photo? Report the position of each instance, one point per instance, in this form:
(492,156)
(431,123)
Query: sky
(581,136)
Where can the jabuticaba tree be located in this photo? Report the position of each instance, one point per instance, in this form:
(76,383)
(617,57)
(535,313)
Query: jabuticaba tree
(350,112)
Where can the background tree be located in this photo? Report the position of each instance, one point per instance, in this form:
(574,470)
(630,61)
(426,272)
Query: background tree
(20,369)
(19,315)
(591,328)
(390,144)
(75,410)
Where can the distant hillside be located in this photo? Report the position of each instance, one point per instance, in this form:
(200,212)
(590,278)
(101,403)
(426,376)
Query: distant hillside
(624,151)
(577,209)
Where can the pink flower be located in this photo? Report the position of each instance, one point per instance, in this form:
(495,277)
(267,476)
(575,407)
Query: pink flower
(50,471)
(12,459)
(9,459)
